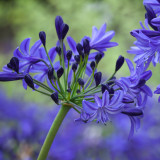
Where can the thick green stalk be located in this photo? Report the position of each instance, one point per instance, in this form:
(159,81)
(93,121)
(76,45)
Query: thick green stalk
(53,131)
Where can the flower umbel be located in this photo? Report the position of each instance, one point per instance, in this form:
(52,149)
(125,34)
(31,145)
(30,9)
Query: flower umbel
(74,80)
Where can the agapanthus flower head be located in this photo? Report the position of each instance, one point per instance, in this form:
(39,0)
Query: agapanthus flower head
(70,76)
(148,41)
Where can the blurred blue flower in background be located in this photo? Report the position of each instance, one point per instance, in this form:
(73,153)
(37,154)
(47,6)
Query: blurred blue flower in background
(23,130)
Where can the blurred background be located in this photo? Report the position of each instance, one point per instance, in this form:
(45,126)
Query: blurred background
(22,19)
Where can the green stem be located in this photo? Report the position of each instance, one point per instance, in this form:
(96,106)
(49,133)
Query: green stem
(43,92)
(63,65)
(43,86)
(53,131)
(48,57)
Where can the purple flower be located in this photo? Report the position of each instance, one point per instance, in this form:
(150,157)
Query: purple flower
(134,86)
(147,47)
(41,68)
(148,41)
(102,108)
(101,39)
(155,4)
(25,55)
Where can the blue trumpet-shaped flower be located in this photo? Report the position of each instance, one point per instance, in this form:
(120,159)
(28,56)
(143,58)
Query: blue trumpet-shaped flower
(101,39)
(25,55)
(102,108)
(134,86)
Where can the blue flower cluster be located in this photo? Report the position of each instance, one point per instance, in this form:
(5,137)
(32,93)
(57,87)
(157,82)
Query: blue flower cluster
(147,44)
(73,78)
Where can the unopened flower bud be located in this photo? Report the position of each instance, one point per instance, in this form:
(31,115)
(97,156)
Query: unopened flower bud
(97,78)
(50,73)
(42,37)
(108,88)
(141,83)
(60,72)
(98,57)
(69,55)
(78,91)
(77,58)
(65,29)
(14,64)
(69,90)
(54,97)
(58,50)
(86,46)
(79,48)
(74,67)
(119,63)
(92,65)
(58,25)
(81,82)
(104,87)
(132,112)
(28,79)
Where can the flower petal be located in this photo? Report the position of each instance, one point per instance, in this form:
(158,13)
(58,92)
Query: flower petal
(89,107)
(98,101)
(105,98)
(72,45)
(24,47)
(35,47)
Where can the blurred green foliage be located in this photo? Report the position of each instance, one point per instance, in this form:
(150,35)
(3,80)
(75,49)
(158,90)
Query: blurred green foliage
(21,19)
